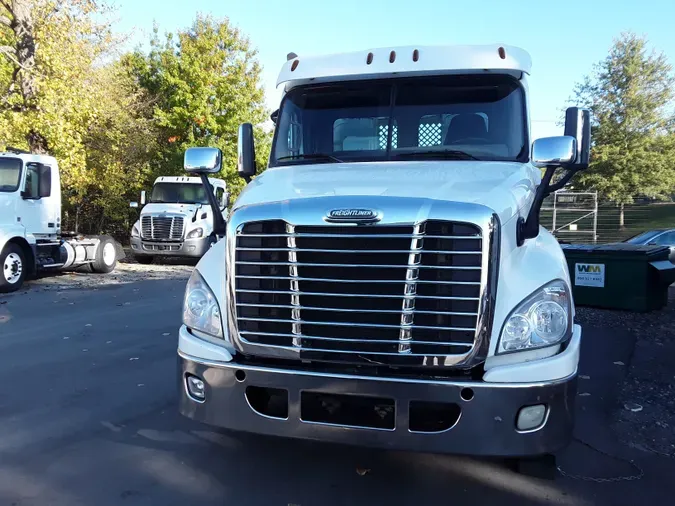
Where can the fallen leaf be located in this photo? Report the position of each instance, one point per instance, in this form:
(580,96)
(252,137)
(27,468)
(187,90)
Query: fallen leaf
(632,406)
(133,358)
(361,471)
(166,333)
(88,325)
(584,377)
(66,337)
(618,362)
(584,394)
(141,385)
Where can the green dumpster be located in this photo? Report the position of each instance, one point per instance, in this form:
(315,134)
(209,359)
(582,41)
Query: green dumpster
(620,276)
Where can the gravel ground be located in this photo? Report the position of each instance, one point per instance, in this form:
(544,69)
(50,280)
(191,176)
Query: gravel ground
(644,417)
(126,271)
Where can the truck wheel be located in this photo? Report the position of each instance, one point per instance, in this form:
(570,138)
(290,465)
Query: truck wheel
(13,264)
(106,256)
(145,259)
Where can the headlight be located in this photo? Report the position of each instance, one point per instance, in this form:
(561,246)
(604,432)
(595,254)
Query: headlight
(134,230)
(200,307)
(196,233)
(542,319)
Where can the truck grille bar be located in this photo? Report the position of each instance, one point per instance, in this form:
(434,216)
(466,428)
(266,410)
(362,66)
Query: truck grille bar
(167,228)
(399,295)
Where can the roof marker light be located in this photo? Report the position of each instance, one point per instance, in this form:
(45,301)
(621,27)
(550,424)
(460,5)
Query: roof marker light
(369,59)
(502,53)
(416,55)
(294,65)
(392,57)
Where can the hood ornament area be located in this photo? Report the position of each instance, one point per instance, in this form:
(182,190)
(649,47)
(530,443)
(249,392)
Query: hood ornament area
(352,215)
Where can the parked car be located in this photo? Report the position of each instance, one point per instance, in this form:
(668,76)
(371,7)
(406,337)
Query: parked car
(661,237)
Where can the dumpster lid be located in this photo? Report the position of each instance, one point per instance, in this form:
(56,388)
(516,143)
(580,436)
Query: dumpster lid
(619,249)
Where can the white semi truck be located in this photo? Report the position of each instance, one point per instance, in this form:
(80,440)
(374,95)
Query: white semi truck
(177,220)
(385,281)
(30,224)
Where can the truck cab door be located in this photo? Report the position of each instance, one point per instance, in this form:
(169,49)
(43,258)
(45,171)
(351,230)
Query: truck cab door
(37,209)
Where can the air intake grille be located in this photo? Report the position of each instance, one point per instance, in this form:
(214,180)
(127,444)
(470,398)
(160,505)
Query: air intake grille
(395,294)
(168,228)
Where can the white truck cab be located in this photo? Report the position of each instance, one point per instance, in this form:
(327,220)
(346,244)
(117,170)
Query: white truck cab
(30,224)
(385,281)
(177,219)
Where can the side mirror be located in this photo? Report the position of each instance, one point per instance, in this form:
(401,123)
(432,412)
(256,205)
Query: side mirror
(578,125)
(202,160)
(554,151)
(143,198)
(274,116)
(225,201)
(246,152)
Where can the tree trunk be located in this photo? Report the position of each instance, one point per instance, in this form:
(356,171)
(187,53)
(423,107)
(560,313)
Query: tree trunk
(621,217)
(23,57)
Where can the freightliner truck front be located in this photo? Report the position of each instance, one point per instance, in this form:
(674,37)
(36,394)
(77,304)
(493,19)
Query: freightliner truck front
(385,281)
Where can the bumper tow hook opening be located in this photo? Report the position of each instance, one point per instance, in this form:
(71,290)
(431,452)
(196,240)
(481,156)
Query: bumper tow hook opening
(433,416)
(268,402)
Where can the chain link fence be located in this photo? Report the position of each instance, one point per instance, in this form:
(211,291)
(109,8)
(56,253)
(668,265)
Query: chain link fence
(584,217)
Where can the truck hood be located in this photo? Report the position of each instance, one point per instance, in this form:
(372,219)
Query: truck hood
(504,187)
(184,209)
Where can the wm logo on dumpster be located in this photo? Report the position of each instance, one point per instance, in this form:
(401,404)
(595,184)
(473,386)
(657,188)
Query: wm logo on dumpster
(588,268)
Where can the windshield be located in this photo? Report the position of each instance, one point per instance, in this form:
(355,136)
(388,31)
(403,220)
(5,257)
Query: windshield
(451,117)
(178,193)
(10,172)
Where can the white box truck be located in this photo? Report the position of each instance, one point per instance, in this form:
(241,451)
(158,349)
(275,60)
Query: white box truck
(385,281)
(30,224)
(177,219)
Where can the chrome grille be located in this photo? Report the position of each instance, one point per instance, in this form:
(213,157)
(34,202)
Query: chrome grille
(168,228)
(394,294)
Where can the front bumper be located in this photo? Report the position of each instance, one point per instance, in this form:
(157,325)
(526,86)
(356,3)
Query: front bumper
(486,425)
(186,248)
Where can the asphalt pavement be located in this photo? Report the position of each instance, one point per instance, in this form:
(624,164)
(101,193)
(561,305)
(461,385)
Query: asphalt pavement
(88,417)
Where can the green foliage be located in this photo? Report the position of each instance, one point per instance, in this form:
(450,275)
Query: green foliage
(205,82)
(633,145)
(114,124)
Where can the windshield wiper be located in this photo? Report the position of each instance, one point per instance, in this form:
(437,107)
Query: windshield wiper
(311,156)
(448,154)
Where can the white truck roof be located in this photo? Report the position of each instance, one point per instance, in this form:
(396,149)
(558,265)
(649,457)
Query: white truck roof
(30,157)
(187,179)
(408,60)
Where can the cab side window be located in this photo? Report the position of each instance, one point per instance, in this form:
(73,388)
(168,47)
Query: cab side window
(32,181)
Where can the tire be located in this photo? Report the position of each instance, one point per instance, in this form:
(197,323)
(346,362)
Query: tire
(106,256)
(144,259)
(13,268)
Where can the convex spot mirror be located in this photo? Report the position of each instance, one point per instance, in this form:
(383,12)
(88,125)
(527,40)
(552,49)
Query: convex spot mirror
(202,160)
(554,151)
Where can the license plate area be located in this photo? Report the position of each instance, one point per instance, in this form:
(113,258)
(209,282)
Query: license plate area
(357,411)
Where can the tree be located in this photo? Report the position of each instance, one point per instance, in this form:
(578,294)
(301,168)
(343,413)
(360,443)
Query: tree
(205,81)
(629,94)
(58,97)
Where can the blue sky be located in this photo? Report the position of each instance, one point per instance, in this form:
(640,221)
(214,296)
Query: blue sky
(564,38)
